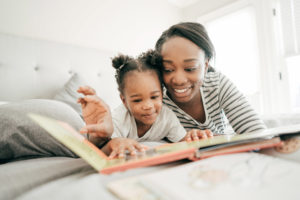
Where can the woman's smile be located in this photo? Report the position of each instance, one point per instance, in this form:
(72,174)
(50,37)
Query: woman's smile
(182,92)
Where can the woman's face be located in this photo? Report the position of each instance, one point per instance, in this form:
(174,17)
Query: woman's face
(184,68)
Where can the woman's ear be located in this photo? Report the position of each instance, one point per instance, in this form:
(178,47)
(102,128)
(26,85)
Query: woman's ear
(206,65)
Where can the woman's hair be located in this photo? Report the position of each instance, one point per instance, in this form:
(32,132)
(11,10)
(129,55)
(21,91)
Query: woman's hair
(194,32)
(148,61)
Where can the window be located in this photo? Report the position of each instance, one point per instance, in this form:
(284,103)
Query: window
(289,27)
(235,41)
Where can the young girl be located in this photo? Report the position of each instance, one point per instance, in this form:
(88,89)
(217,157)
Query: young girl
(142,116)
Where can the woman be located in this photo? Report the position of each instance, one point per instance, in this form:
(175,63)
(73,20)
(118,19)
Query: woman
(200,96)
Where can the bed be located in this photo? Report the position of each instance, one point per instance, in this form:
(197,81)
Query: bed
(42,76)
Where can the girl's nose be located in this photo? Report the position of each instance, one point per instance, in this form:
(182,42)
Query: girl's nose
(147,105)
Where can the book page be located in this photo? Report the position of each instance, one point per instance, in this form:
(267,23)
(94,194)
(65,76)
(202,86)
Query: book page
(73,140)
(233,176)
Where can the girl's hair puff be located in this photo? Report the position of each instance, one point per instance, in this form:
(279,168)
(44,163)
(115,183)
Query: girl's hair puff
(147,61)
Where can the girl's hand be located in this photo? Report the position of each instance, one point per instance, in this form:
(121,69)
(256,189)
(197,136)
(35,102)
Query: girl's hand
(197,134)
(96,114)
(86,90)
(92,106)
(117,147)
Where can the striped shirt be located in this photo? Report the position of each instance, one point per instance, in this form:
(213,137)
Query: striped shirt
(222,103)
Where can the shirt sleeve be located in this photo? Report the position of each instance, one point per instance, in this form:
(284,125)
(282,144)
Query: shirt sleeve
(176,131)
(237,109)
(117,131)
(119,122)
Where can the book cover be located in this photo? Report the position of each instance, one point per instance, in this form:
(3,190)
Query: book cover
(162,154)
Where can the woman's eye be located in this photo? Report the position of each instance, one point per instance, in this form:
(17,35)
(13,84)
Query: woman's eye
(190,69)
(167,70)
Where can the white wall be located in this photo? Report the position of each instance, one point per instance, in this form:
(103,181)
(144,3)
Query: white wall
(192,12)
(127,26)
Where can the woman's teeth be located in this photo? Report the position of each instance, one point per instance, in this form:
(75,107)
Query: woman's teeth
(181,90)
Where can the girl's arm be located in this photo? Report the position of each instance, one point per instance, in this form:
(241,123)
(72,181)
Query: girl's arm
(97,116)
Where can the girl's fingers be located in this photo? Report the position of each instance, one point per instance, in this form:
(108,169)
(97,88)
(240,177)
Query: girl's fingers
(95,129)
(121,153)
(113,154)
(117,153)
(86,90)
(140,147)
(131,150)
(82,102)
(94,99)
(84,130)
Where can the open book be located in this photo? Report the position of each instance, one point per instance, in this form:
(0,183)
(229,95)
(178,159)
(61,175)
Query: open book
(161,154)
(244,176)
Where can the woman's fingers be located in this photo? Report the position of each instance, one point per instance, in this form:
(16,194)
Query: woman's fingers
(202,134)
(209,133)
(196,134)
(188,137)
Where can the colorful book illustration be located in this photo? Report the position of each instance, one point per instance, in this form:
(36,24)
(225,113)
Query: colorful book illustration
(218,145)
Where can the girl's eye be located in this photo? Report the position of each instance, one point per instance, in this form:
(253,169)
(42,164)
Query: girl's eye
(136,100)
(155,97)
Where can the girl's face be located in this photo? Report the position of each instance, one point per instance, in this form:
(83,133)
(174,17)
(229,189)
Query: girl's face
(184,68)
(142,96)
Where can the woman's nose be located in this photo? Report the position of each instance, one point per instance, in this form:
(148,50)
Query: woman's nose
(179,78)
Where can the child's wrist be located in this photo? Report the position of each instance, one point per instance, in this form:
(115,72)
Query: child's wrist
(99,141)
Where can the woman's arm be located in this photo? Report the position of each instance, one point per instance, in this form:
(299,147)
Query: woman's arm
(238,110)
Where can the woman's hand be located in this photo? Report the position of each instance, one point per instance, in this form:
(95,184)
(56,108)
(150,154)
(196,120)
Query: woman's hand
(197,134)
(117,147)
(96,114)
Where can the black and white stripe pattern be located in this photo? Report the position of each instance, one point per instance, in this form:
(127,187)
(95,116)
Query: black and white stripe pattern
(222,102)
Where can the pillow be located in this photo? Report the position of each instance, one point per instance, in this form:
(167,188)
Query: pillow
(21,137)
(282,119)
(3,102)
(69,95)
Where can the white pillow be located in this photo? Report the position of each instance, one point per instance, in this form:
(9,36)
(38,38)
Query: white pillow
(68,94)
(3,102)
